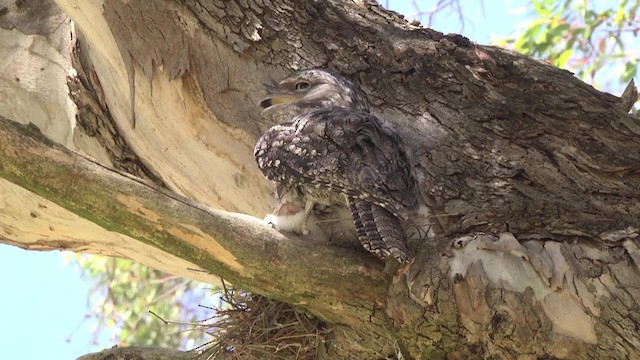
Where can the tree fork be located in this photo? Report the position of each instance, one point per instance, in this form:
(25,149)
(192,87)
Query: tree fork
(535,172)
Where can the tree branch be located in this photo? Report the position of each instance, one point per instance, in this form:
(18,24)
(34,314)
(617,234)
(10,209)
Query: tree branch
(237,247)
(541,163)
(139,353)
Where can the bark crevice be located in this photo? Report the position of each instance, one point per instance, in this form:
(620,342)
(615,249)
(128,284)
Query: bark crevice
(533,175)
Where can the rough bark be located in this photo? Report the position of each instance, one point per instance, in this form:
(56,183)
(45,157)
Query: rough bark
(534,174)
(139,353)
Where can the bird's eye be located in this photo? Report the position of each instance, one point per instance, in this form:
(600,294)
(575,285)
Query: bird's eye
(302,85)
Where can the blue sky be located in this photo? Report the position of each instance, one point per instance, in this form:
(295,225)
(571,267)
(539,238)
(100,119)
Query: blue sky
(44,301)
(483,19)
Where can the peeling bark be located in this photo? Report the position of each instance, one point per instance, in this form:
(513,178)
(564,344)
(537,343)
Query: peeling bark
(533,173)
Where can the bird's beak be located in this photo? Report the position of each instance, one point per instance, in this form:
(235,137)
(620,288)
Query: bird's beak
(276,100)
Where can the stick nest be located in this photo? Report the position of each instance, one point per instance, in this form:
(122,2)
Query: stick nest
(251,326)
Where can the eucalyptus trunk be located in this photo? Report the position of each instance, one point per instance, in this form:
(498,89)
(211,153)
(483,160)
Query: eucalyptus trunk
(142,120)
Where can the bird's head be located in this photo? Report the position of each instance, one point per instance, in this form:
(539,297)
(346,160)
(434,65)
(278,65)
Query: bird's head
(312,89)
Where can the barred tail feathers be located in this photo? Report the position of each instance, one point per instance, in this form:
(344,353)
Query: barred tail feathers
(379,231)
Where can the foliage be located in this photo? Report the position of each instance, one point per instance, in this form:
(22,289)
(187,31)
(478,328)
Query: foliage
(592,39)
(138,305)
(123,294)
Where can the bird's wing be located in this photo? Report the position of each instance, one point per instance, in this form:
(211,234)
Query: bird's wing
(343,151)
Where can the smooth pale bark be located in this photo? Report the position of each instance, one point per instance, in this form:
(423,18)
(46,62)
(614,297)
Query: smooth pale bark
(534,175)
(119,215)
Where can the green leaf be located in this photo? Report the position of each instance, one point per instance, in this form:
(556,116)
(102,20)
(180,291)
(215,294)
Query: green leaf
(563,58)
(630,71)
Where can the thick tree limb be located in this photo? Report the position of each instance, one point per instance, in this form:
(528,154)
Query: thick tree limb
(241,249)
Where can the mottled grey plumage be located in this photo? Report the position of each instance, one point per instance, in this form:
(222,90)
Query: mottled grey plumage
(331,149)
